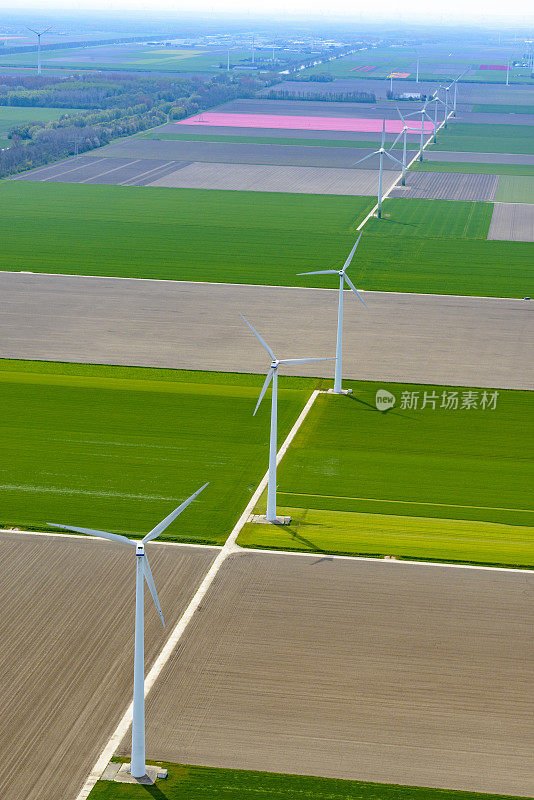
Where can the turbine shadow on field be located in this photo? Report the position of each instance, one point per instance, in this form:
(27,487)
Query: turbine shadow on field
(155,791)
(374,408)
(295,534)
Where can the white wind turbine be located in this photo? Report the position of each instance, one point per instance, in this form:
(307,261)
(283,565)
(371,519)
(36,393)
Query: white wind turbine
(272,374)
(422,113)
(39,34)
(339,342)
(143,572)
(404,132)
(381,152)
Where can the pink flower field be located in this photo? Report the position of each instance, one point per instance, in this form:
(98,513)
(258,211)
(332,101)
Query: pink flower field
(217,119)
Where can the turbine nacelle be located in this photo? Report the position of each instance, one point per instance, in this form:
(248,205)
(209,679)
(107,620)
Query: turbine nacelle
(139,549)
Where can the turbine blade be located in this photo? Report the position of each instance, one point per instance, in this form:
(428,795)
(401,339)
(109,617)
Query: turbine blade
(114,537)
(351,254)
(366,157)
(160,527)
(399,113)
(291,361)
(388,154)
(258,337)
(398,137)
(383,132)
(152,586)
(264,389)
(321,272)
(354,289)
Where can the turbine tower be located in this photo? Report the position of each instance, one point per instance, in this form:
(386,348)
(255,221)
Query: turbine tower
(339,342)
(272,374)
(424,113)
(405,130)
(39,34)
(381,152)
(143,573)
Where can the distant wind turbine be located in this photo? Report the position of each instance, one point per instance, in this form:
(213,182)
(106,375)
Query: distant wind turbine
(143,573)
(422,113)
(404,132)
(339,342)
(39,34)
(381,152)
(272,374)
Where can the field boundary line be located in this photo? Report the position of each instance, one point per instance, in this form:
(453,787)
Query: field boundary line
(260,285)
(408,562)
(406,502)
(83,538)
(178,630)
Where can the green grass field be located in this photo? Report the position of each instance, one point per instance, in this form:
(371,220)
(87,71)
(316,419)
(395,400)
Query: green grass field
(202,137)
(183,234)
(13,115)
(496,108)
(469,137)
(133,58)
(121,447)
(431,483)
(440,247)
(518,189)
(473,168)
(423,246)
(209,783)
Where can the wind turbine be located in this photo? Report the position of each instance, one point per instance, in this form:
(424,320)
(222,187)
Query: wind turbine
(143,572)
(39,34)
(381,152)
(272,374)
(405,130)
(339,342)
(424,113)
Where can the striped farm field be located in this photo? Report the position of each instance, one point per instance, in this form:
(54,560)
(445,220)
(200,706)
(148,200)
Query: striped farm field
(120,447)
(357,480)
(516,189)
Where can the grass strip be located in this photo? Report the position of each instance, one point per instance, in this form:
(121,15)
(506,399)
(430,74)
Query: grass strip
(291,142)
(473,168)
(186,782)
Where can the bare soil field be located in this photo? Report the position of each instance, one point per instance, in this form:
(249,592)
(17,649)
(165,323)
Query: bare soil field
(237,153)
(67,651)
(465,341)
(448,186)
(513,222)
(99,170)
(310,108)
(260,178)
(385,672)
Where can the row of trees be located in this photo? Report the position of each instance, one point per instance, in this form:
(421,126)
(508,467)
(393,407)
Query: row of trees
(36,143)
(340,97)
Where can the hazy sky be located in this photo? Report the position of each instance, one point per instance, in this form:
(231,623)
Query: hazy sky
(519,12)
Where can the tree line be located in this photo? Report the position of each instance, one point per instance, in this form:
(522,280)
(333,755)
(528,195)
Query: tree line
(148,103)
